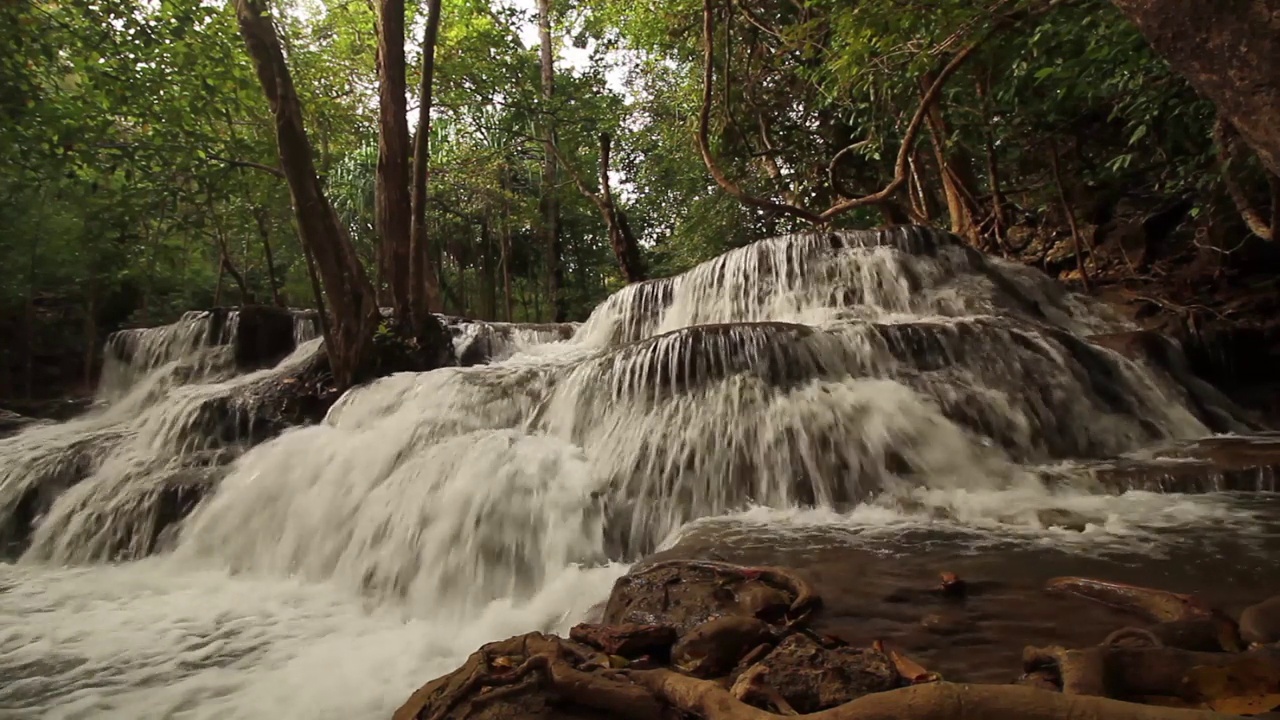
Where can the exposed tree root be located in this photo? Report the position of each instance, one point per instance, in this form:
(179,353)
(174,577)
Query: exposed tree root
(1190,620)
(730,666)
(934,701)
(1153,604)
(1111,671)
(548,659)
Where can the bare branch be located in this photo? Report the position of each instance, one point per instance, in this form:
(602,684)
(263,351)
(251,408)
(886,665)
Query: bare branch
(248,164)
(902,166)
(835,162)
(704,132)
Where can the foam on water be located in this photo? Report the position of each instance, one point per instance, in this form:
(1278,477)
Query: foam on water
(157,639)
(1134,524)
(879,382)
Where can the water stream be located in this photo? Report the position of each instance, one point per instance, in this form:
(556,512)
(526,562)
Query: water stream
(868,386)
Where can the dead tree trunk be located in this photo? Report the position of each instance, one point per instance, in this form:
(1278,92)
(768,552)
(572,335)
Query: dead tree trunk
(1227,50)
(392,207)
(352,301)
(424,283)
(549,202)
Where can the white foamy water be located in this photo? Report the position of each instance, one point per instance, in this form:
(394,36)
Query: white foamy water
(157,639)
(874,383)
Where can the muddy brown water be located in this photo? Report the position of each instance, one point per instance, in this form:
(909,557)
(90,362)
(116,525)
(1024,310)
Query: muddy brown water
(879,588)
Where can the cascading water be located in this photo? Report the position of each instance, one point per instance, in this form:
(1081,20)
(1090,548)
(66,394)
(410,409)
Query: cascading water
(884,378)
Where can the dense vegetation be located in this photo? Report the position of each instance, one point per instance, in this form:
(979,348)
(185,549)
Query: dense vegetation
(139,173)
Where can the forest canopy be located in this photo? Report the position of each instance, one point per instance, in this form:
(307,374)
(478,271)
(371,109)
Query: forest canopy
(140,176)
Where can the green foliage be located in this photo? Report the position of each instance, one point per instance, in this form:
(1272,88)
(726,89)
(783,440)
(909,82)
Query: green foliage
(133,136)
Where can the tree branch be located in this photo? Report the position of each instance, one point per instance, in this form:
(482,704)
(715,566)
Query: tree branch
(704,132)
(248,164)
(901,167)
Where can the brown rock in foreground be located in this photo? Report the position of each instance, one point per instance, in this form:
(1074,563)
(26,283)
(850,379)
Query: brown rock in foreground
(763,670)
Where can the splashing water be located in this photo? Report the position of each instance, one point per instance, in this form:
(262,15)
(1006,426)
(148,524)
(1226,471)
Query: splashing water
(876,380)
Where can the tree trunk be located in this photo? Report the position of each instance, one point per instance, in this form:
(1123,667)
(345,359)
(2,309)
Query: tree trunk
(1228,51)
(488,271)
(1068,211)
(392,203)
(424,282)
(993,165)
(246,295)
(956,171)
(260,217)
(90,331)
(549,202)
(217,288)
(29,320)
(625,247)
(506,243)
(352,301)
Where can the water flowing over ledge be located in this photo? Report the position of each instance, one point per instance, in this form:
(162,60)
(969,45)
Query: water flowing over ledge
(896,378)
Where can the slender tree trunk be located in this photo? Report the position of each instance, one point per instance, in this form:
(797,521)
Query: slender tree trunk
(151,240)
(954,168)
(625,247)
(317,294)
(217,288)
(549,201)
(506,242)
(219,235)
(29,320)
(1069,211)
(424,281)
(90,331)
(260,218)
(352,301)
(490,285)
(993,165)
(1229,50)
(392,202)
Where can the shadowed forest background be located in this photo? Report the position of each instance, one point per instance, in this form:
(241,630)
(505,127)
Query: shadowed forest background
(139,173)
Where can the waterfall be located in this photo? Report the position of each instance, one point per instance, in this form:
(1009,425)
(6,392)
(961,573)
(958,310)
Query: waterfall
(850,374)
(819,369)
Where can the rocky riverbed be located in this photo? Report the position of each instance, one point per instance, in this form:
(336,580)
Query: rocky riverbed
(857,631)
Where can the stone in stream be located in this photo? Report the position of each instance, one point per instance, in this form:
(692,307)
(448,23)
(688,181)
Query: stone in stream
(687,594)
(811,677)
(628,641)
(262,335)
